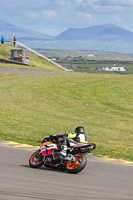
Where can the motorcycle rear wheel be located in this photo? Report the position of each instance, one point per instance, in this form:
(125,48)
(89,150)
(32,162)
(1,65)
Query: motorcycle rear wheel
(36,160)
(78,166)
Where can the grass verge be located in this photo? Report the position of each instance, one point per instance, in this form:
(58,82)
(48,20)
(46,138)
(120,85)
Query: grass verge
(36,63)
(35,105)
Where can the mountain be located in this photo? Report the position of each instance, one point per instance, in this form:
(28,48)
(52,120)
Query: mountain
(106,37)
(102,32)
(7,29)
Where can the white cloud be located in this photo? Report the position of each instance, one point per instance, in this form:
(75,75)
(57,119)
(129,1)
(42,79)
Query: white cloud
(78,1)
(49,14)
(121,2)
(95,7)
(110,9)
(62,14)
(63,3)
(91,1)
(85,15)
(117,9)
(33,15)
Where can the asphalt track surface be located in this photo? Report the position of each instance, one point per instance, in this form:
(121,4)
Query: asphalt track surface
(98,181)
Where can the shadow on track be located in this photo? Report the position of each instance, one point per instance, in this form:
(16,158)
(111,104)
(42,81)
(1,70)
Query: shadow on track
(47,169)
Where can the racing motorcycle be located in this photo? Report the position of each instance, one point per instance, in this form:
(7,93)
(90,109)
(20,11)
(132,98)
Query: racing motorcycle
(50,155)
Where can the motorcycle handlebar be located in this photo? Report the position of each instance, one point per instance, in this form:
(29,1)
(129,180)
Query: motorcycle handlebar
(51,137)
(54,138)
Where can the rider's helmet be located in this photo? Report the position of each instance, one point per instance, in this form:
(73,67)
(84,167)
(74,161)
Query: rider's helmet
(79,129)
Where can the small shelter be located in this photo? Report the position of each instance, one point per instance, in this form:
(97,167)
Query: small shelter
(21,55)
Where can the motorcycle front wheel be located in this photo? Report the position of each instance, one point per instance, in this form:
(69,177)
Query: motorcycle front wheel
(36,160)
(78,165)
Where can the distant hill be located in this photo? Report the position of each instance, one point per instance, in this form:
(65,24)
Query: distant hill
(7,29)
(106,37)
(105,32)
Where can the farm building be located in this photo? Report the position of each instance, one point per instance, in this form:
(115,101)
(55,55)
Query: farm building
(113,68)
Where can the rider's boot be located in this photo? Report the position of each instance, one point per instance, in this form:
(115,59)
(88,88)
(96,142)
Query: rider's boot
(64,150)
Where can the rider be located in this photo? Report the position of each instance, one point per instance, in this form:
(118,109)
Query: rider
(77,136)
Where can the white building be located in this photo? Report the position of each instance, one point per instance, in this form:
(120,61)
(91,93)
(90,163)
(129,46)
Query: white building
(113,68)
(90,55)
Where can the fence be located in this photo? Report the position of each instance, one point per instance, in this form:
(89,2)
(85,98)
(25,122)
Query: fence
(41,56)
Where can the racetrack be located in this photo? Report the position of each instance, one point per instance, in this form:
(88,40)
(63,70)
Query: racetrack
(98,181)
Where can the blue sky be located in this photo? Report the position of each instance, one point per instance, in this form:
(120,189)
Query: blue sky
(55,16)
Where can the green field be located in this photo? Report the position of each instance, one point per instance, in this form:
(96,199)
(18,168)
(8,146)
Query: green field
(35,105)
(100,59)
(97,55)
(91,65)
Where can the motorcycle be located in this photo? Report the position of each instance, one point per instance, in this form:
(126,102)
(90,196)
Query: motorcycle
(50,155)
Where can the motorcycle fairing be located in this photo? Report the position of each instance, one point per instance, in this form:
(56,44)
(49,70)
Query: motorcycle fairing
(47,148)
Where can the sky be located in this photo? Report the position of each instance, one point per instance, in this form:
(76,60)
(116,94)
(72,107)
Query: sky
(52,17)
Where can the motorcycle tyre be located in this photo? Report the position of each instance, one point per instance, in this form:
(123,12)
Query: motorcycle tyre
(39,163)
(80,167)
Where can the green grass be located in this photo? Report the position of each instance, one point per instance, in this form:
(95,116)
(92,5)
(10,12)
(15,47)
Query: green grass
(36,63)
(98,55)
(4,51)
(35,105)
